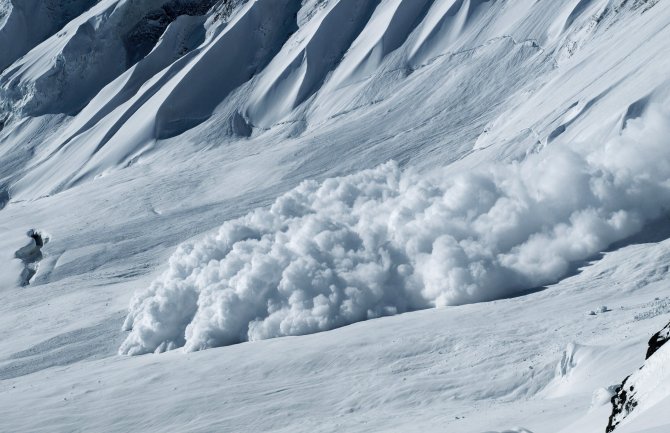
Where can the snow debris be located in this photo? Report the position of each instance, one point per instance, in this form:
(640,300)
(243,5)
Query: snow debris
(383,241)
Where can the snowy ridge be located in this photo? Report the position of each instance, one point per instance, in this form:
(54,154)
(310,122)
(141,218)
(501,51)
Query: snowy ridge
(26,23)
(291,72)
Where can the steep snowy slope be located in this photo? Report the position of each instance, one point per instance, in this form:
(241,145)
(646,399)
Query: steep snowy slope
(26,23)
(645,388)
(528,137)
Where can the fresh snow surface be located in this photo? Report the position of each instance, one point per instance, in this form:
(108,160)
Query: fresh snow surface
(201,174)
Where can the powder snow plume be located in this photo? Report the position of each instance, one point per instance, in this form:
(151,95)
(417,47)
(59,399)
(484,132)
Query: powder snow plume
(383,241)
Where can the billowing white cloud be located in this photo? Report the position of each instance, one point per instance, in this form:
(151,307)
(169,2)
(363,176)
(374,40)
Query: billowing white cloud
(382,242)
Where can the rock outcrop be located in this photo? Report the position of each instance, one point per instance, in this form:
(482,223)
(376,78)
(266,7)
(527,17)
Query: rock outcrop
(642,386)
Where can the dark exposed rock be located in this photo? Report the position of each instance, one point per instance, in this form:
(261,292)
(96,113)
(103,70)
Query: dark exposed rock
(658,340)
(625,399)
(31,255)
(145,34)
(623,403)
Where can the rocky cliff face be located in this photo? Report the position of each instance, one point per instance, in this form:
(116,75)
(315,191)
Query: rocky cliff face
(144,35)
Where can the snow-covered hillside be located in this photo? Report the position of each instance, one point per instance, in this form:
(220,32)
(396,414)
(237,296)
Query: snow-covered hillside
(645,388)
(183,174)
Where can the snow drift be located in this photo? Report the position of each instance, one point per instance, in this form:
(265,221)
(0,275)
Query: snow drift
(383,242)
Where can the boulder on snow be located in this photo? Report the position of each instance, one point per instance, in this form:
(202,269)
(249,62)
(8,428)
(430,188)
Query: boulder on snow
(657,340)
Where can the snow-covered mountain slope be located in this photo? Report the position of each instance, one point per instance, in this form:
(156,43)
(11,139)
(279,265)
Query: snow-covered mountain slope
(528,137)
(26,23)
(646,387)
(639,403)
(537,361)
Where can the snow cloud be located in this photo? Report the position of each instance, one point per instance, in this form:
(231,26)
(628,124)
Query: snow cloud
(383,241)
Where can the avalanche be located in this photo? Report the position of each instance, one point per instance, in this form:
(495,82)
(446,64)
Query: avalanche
(240,170)
(384,242)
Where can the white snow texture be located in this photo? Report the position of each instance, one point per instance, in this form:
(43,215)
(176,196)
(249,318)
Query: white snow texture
(383,242)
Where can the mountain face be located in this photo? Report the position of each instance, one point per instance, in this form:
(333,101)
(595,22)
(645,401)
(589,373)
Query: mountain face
(181,175)
(24,24)
(116,77)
